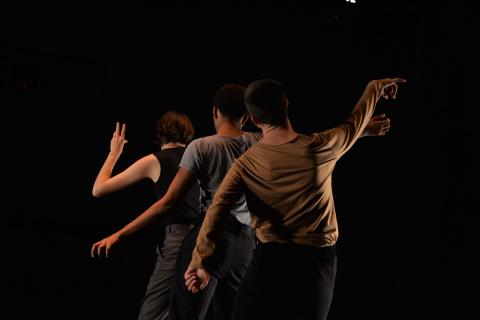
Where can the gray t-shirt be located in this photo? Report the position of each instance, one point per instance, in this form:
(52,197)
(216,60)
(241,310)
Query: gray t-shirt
(209,159)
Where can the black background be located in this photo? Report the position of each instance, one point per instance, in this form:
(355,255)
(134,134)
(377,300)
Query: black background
(70,70)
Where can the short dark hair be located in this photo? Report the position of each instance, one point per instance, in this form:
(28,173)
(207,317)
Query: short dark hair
(229,101)
(174,126)
(266,100)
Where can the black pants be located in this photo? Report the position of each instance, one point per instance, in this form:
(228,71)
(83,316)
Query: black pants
(232,257)
(287,281)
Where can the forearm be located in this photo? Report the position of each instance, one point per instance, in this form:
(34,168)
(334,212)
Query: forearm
(363,111)
(342,138)
(206,240)
(104,174)
(145,219)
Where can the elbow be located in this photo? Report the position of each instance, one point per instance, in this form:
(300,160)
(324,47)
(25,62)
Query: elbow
(97,192)
(163,205)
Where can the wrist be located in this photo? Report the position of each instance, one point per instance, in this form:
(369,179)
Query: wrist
(120,235)
(113,155)
(364,133)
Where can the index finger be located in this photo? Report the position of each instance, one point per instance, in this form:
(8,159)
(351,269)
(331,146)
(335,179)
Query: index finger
(399,80)
(388,82)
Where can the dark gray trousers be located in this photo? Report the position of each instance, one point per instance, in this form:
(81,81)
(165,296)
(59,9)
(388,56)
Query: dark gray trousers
(155,303)
(230,262)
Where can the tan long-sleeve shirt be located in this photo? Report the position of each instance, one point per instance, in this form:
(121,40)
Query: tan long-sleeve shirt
(288,187)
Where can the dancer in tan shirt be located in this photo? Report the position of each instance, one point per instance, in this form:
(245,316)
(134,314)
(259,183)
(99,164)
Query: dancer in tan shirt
(287,180)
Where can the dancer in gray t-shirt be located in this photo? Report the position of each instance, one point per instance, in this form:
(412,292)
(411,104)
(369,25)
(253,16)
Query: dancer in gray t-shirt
(209,158)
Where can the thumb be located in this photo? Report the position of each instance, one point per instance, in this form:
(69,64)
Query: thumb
(203,284)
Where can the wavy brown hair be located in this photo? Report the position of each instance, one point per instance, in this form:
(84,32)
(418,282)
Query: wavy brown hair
(174,126)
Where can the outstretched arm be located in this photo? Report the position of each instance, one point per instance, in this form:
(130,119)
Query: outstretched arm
(341,138)
(180,185)
(146,167)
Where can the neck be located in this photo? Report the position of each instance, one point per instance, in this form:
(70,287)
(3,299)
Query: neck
(226,128)
(278,134)
(171,145)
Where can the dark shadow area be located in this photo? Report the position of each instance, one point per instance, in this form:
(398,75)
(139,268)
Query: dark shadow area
(404,201)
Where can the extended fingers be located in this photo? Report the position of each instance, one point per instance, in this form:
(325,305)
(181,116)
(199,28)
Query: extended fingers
(122,134)
(97,249)
(391,87)
(117,129)
(394,91)
(93,249)
(400,80)
(390,90)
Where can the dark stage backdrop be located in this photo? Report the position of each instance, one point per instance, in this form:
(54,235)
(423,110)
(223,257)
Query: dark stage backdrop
(69,73)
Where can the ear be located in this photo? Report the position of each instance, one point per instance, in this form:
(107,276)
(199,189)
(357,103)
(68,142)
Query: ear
(215,112)
(286,102)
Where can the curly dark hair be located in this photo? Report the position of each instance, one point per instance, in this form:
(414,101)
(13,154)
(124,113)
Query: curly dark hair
(229,101)
(174,126)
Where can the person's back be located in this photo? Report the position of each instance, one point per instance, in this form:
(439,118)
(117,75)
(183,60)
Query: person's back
(286,178)
(186,211)
(208,160)
(174,130)
(296,203)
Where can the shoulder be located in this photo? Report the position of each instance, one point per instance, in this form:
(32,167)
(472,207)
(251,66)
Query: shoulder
(198,148)
(145,164)
(200,144)
(150,161)
(150,158)
(320,137)
(254,136)
(251,138)
(203,141)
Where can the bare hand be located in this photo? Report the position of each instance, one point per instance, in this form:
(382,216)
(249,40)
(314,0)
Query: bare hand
(390,87)
(377,126)
(104,246)
(196,279)
(118,140)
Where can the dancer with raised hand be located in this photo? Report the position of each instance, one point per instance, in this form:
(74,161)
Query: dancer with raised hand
(174,131)
(287,180)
